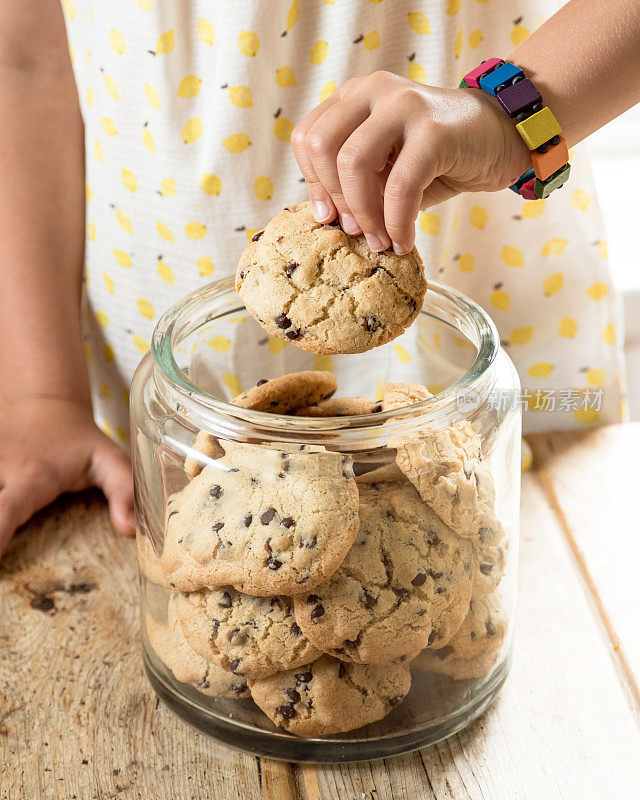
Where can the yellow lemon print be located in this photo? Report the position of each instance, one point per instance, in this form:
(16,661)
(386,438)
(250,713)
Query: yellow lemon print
(401,353)
(478,217)
(586,416)
(189,86)
(108,282)
(418,22)
(430,223)
(88,192)
(232,382)
(123,220)
(475,37)
(205,266)
(453,6)
(89,96)
(532,209)
(109,126)
(609,334)
(210,184)
(323,362)
(111,87)
(166,43)
(145,5)
(330,2)
(240,96)
(165,272)
(105,391)
(148,141)
(501,299)
(248,43)
(109,353)
(416,72)
(236,143)
(554,247)
(102,319)
(521,335)
(541,370)
(598,290)
(318,52)
(116,40)
(519,34)
(164,232)
(512,256)
(568,327)
(293,15)
(596,377)
(580,200)
(168,188)
(371,41)
(205,31)
(191,130)
(602,249)
(465,262)
(69,9)
(275,345)
(378,394)
(129,180)
(327,90)
(141,344)
(282,129)
(457,45)
(152,96)
(263,188)
(195,230)
(91,231)
(145,308)
(220,344)
(285,77)
(553,284)
(124,259)
(97,150)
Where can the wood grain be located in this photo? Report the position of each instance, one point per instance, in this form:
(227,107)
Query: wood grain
(78,720)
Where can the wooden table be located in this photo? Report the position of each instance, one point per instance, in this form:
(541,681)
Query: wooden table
(78,720)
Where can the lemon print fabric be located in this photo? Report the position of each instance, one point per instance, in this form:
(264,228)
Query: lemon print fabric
(189,111)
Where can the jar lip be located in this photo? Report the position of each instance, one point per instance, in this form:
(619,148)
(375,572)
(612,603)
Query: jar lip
(197,404)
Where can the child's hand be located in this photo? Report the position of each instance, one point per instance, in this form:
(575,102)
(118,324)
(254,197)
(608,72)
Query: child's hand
(382,147)
(51,446)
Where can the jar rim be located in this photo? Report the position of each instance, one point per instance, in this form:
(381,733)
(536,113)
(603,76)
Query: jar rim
(186,315)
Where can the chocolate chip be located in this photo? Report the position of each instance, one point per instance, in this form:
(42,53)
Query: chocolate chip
(395,701)
(42,603)
(233,666)
(256,236)
(293,334)
(309,543)
(280,239)
(312,598)
(342,670)
(248,520)
(261,382)
(204,684)
(287,522)
(293,695)
(286,465)
(304,677)
(368,601)
(295,630)
(371,324)
(433,538)
(376,409)
(290,269)
(485,567)
(282,321)
(317,612)
(225,601)
(218,526)
(268,515)
(82,588)
(233,633)
(419,579)
(239,688)
(436,576)
(287,712)
(216,492)
(490,628)
(273,563)
(431,638)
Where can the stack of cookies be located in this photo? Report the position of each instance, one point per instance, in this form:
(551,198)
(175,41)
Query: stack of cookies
(315,584)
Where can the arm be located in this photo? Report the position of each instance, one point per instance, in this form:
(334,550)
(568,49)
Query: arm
(48,442)
(382,147)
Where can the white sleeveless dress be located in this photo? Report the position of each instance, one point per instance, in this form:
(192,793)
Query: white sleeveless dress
(188,110)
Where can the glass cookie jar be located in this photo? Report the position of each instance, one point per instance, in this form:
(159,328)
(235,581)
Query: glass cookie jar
(326,588)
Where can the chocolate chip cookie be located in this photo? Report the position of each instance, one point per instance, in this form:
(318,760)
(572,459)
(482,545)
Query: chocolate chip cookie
(252,637)
(265,519)
(326,291)
(404,585)
(329,696)
(340,407)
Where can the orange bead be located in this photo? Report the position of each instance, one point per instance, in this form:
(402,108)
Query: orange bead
(545,164)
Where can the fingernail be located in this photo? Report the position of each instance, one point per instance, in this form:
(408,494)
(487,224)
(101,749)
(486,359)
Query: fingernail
(349,225)
(374,243)
(399,249)
(321,210)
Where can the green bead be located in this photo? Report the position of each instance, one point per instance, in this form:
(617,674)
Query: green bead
(543,189)
(463,84)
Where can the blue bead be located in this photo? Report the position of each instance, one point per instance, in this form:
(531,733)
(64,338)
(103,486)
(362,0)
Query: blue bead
(501,76)
(515,187)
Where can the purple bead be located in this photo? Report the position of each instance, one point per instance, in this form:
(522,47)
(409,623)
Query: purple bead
(519,96)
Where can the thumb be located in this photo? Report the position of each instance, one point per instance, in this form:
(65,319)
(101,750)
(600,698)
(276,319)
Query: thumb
(111,471)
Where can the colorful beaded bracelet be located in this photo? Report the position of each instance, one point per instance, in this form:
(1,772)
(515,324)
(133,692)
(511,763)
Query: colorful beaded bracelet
(535,123)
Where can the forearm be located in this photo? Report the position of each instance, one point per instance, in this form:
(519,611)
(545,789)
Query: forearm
(585,61)
(41,231)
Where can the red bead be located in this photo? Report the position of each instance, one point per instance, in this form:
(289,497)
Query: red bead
(474,76)
(526,190)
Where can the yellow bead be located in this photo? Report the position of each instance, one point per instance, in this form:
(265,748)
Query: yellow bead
(538,128)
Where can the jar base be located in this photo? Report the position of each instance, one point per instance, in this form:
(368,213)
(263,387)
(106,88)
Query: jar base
(285,747)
